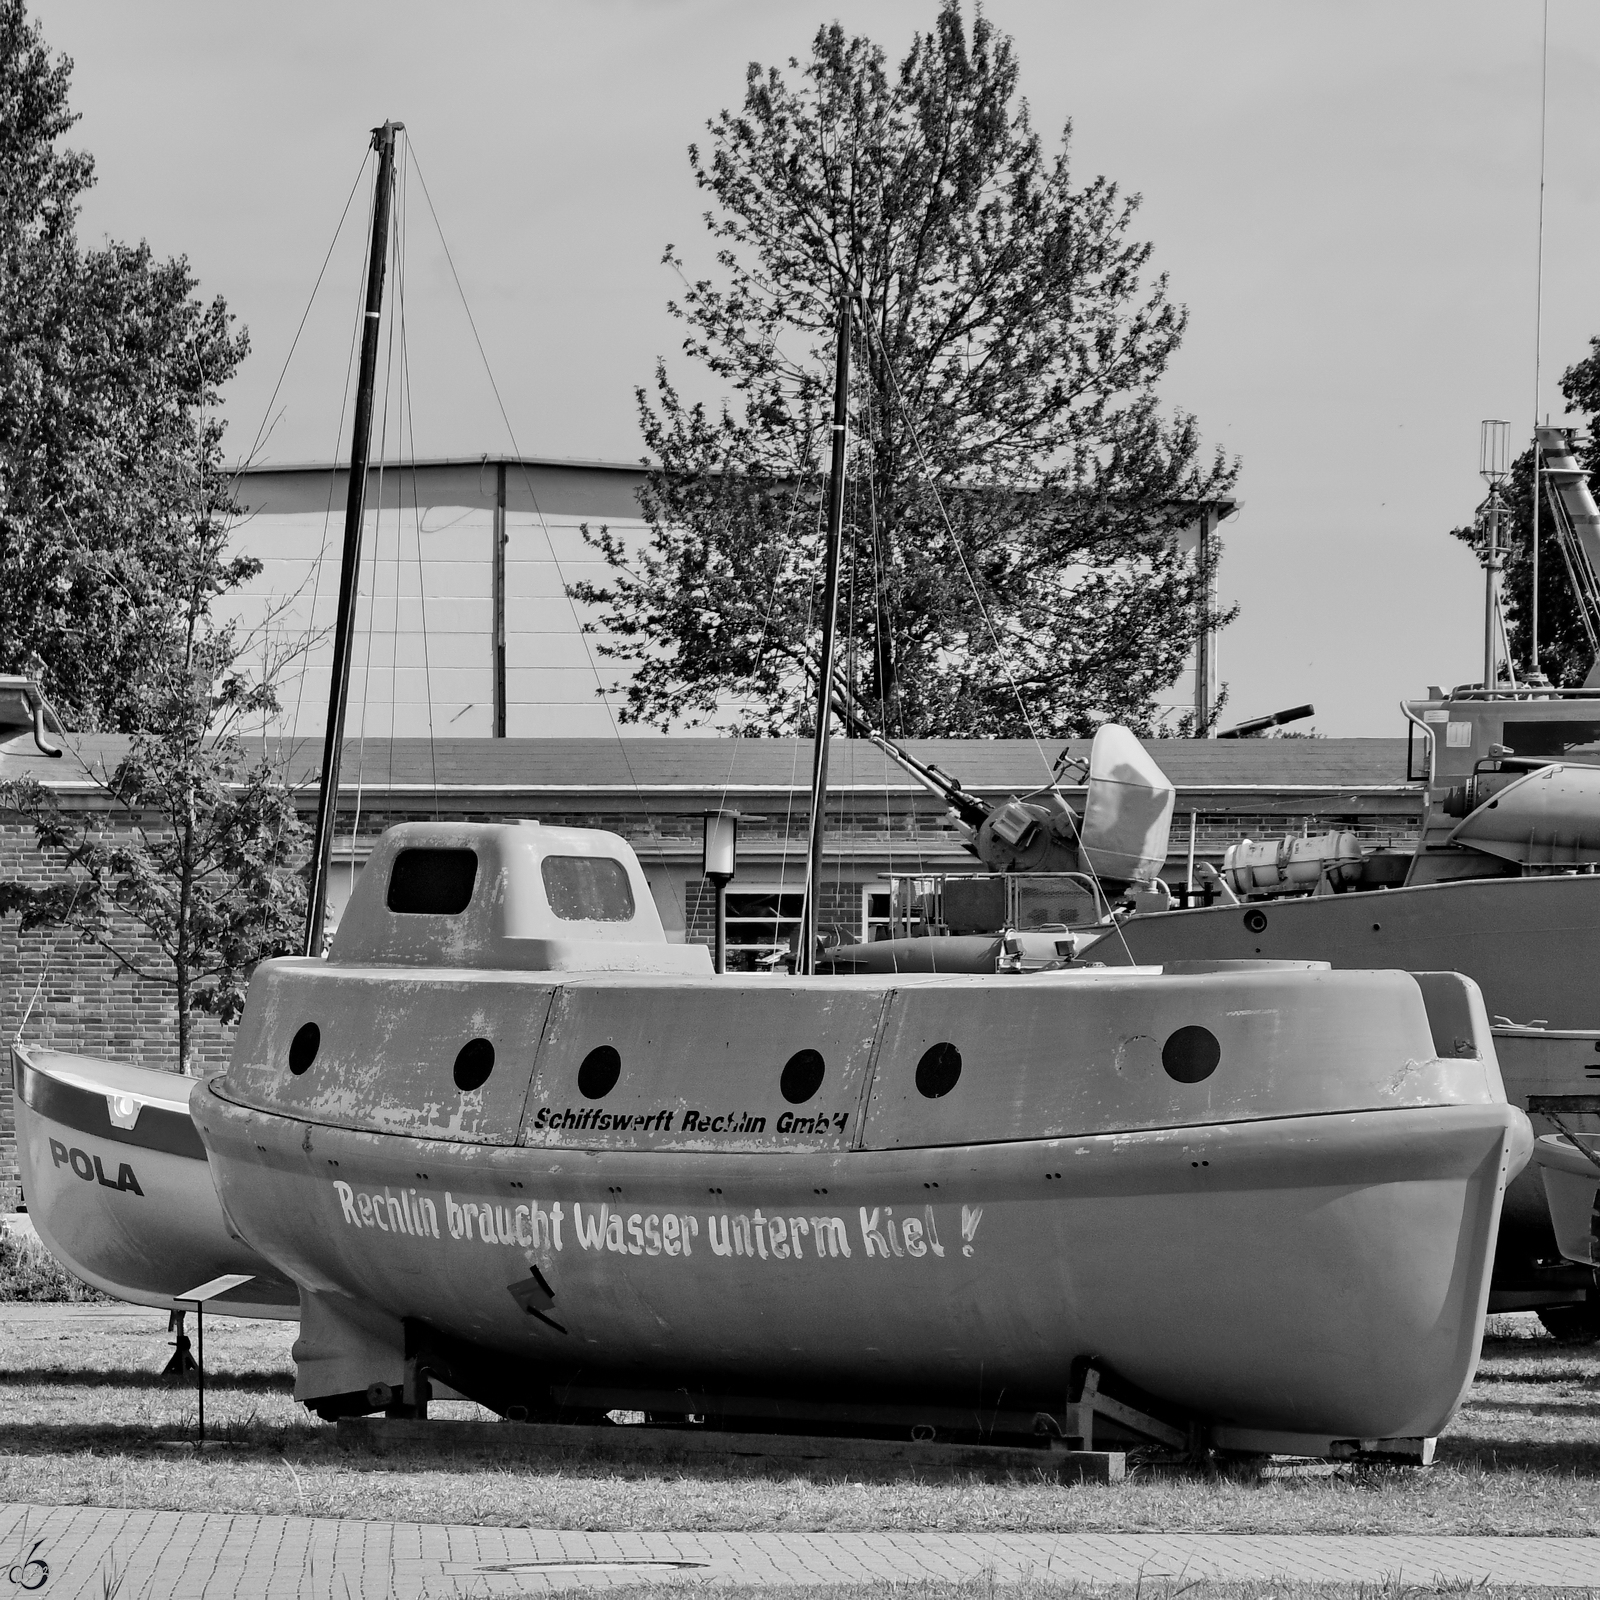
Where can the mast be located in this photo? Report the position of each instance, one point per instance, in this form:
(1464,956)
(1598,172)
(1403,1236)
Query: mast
(350,563)
(807,955)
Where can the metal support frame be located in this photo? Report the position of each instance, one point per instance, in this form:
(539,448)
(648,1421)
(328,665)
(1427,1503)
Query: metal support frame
(197,1298)
(1204,654)
(1493,565)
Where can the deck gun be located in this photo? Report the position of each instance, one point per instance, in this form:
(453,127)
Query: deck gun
(1121,837)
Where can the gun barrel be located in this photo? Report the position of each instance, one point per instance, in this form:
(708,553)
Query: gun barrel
(1275,719)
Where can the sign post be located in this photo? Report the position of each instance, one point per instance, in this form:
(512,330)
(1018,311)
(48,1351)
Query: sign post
(197,1297)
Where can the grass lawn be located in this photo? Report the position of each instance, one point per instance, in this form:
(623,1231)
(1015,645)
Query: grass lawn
(85,1413)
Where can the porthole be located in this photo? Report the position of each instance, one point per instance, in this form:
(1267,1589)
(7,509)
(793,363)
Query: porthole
(1255,921)
(303,1048)
(802,1076)
(598,1075)
(474,1063)
(938,1071)
(1191,1054)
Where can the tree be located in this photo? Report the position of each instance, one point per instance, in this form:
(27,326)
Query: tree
(114,517)
(188,871)
(1015,488)
(109,367)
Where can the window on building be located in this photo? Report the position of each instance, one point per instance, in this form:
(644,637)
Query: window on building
(760,923)
(920,902)
(876,918)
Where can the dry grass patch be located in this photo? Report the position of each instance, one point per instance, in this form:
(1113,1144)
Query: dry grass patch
(86,1415)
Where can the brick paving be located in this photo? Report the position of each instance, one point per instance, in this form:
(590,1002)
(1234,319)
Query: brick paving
(173,1555)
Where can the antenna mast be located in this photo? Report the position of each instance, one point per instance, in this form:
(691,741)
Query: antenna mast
(1494,467)
(806,956)
(350,563)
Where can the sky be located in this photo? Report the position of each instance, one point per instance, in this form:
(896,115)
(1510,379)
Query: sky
(1344,193)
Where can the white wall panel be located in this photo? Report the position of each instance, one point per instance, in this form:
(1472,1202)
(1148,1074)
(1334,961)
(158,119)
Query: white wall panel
(544,720)
(297,516)
(569,649)
(424,614)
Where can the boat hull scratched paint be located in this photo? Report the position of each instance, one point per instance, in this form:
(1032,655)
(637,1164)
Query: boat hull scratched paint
(1265,1195)
(1530,943)
(1319,1277)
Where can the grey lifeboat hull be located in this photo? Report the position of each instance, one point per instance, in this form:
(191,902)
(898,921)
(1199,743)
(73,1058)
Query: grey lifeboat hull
(1293,1246)
(119,1188)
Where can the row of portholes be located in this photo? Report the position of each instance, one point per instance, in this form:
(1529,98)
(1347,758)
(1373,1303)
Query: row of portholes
(802,1073)
(1190,1055)
(474,1060)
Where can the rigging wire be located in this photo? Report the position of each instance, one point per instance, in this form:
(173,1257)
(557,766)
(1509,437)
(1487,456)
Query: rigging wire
(391,247)
(983,611)
(409,419)
(778,572)
(294,343)
(873,421)
(961,557)
(544,526)
(1538,341)
(391,378)
(301,653)
(315,579)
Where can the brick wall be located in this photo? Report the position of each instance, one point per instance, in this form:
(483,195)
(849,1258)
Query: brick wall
(61,993)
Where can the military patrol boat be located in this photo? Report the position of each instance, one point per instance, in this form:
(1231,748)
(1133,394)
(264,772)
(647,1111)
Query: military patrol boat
(1501,884)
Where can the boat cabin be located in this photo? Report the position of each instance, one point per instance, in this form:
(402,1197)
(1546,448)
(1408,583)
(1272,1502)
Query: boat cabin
(519,896)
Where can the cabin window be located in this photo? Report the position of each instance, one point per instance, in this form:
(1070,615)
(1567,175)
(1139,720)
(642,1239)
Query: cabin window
(1561,740)
(587,888)
(432,883)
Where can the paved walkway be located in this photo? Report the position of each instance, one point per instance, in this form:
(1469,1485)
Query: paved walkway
(172,1555)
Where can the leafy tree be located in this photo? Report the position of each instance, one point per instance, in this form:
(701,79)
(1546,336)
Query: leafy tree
(110,371)
(114,515)
(1015,487)
(187,871)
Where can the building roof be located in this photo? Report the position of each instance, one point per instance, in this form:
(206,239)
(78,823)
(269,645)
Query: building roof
(662,768)
(257,469)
